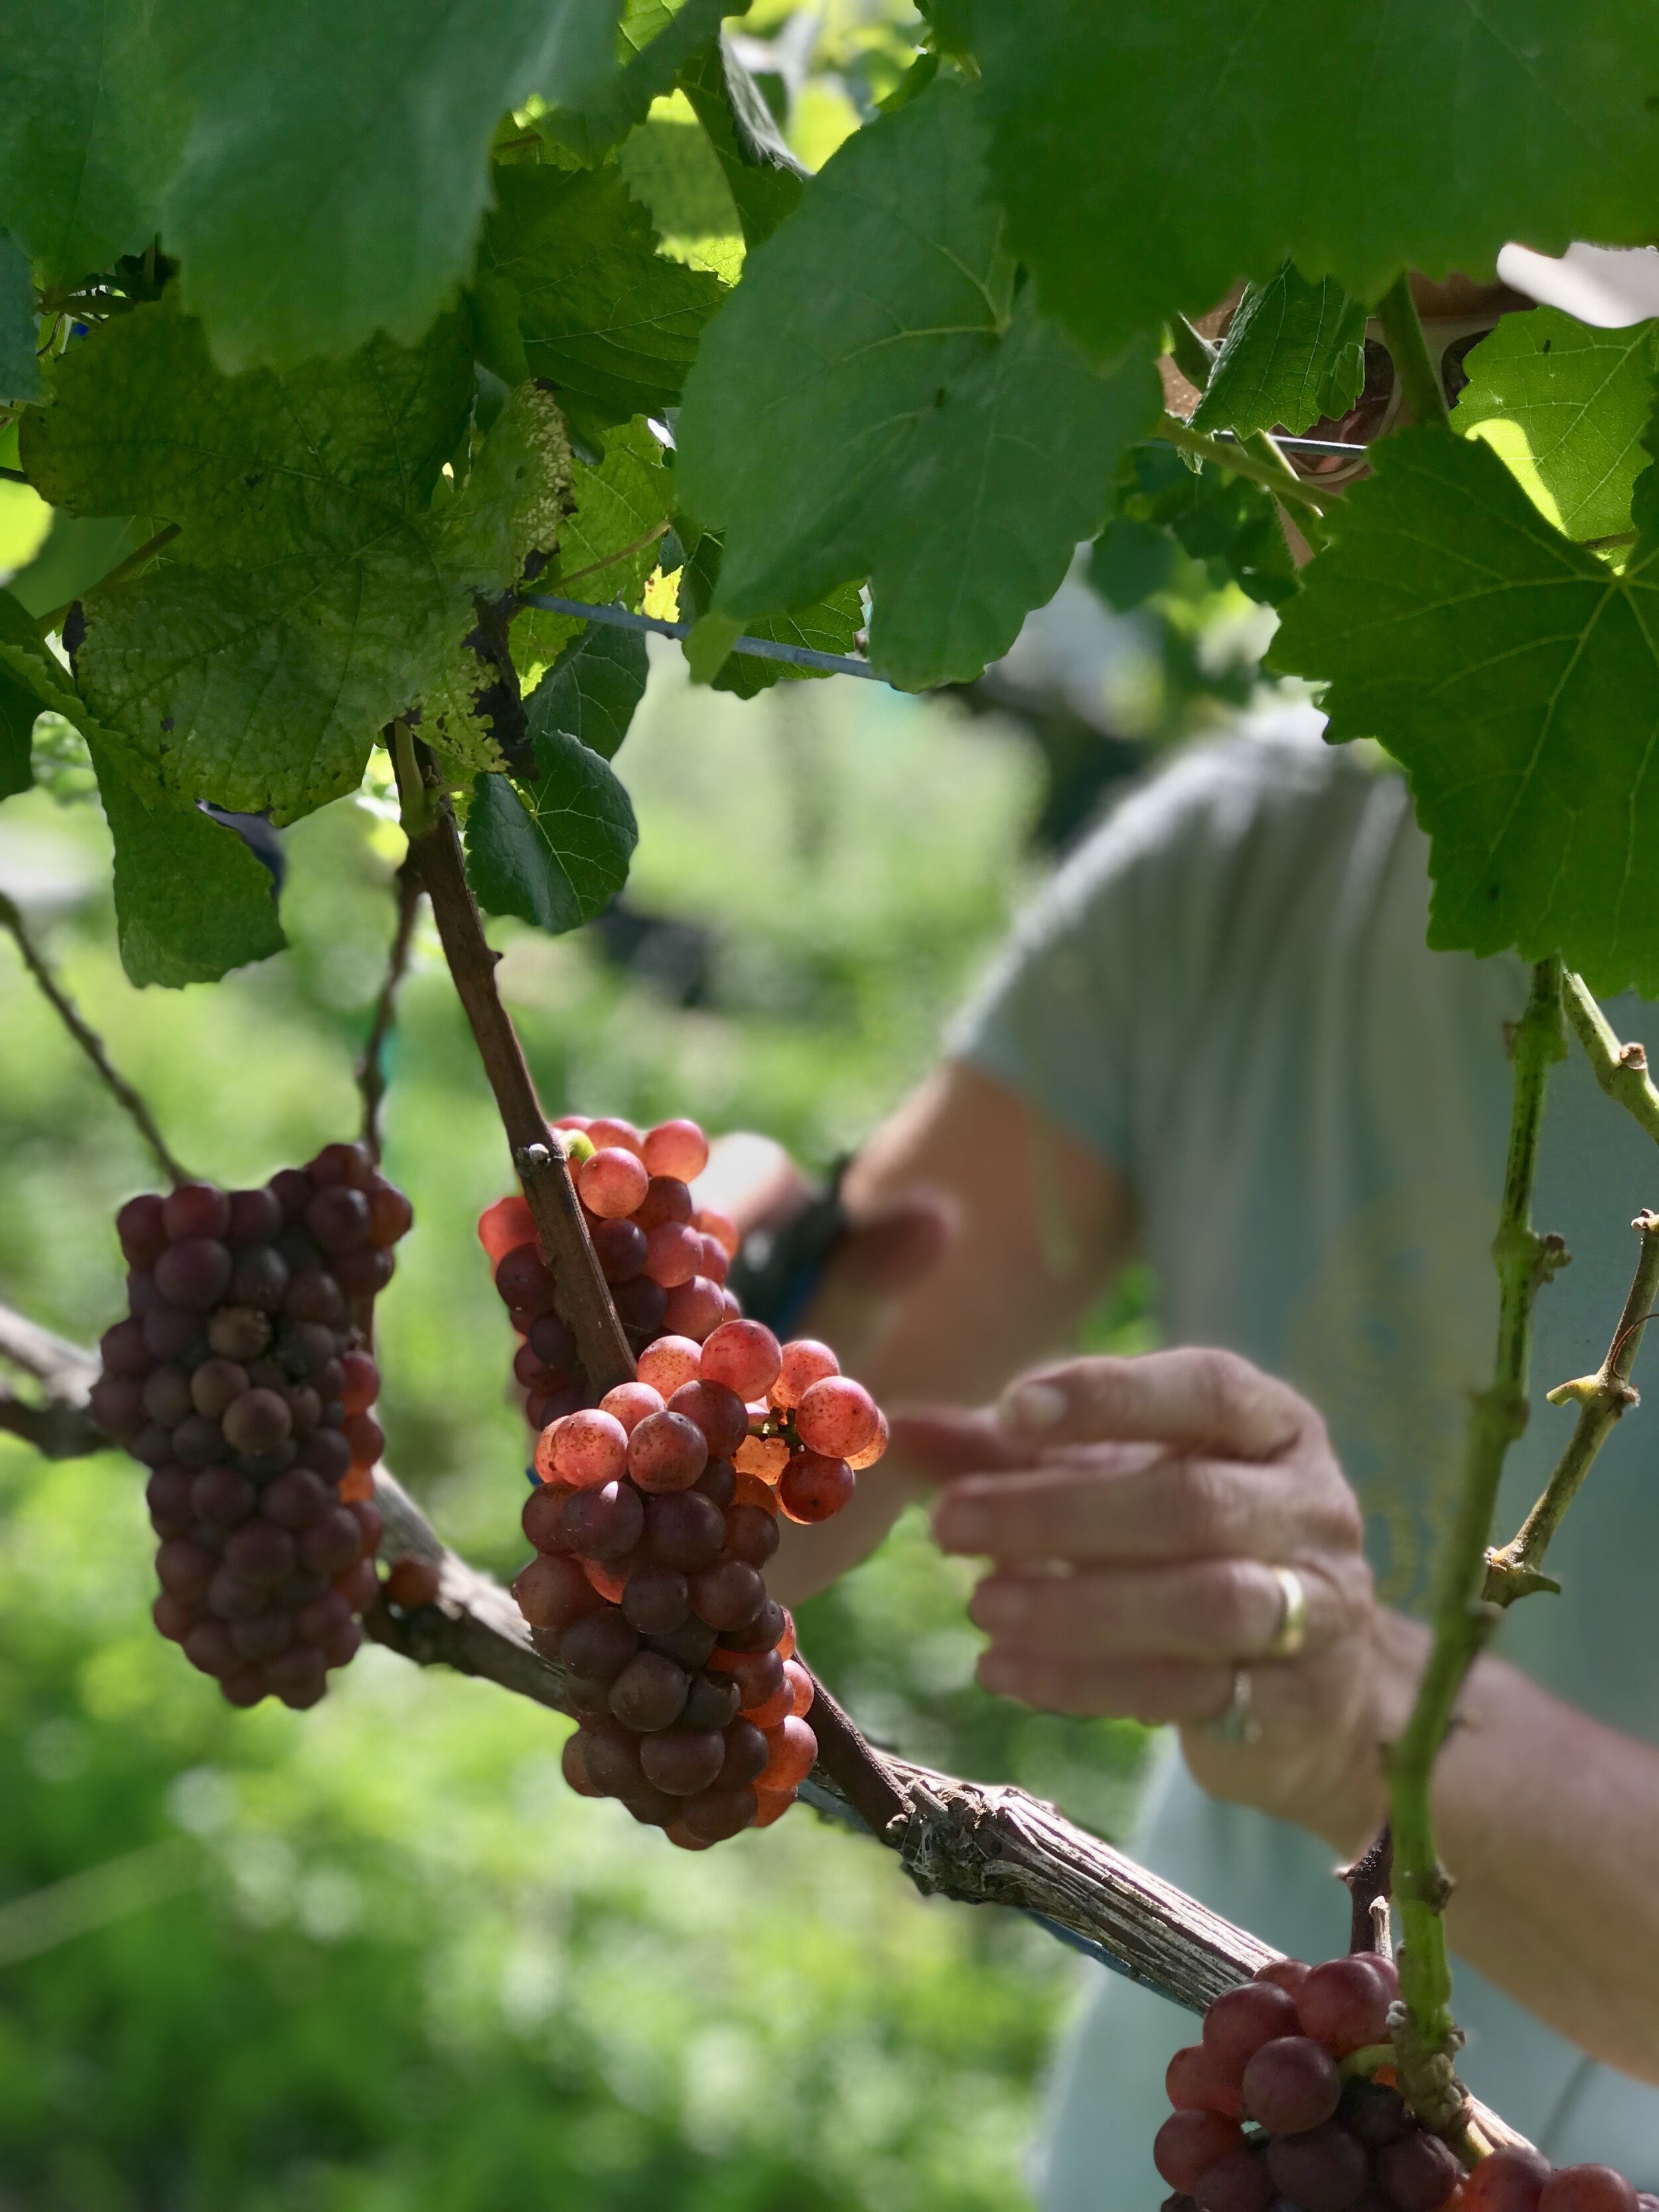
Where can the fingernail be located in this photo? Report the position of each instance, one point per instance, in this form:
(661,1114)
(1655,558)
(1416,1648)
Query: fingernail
(1031,1405)
(962,1526)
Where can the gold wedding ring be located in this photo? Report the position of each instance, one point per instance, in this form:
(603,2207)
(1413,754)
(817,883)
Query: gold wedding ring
(1291,1633)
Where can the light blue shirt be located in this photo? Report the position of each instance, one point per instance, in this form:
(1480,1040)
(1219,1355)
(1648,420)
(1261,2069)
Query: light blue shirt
(1227,994)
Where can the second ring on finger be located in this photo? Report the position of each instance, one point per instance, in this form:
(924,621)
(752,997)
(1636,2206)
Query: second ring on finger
(1225,1610)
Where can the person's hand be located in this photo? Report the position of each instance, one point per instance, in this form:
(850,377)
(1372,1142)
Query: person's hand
(1135,1512)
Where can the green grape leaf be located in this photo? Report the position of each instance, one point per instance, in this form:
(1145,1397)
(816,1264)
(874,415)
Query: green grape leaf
(337,169)
(21,702)
(552,849)
(671,167)
(1513,676)
(927,428)
(79,551)
(1294,353)
(19,712)
(610,320)
(30,684)
(91,125)
(19,333)
(653,39)
(591,689)
(192,901)
(950,25)
(35,672)
(1223,520)
(831,626)
(326,570)
(764,177)
(608,546)
(1130,560)
(1566,407)
(1149,154)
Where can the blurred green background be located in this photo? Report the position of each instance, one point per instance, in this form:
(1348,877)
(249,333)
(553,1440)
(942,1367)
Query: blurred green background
(376,1958)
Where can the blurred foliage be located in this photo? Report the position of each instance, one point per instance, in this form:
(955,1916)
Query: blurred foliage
(376,1958)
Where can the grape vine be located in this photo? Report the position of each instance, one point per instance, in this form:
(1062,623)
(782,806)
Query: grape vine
(352,326)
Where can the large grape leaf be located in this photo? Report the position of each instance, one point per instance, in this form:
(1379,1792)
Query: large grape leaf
(671,167)
(926,427)
(552,849)
(190,900)
(1294,353)
(20,369)
(1151,153)
(610,320)
(764,177)
(1565,406)
(21,702)
(653,37)
(592,689)
(1517,678)
(831,625)
(91,124)
(337,166)
(325,575)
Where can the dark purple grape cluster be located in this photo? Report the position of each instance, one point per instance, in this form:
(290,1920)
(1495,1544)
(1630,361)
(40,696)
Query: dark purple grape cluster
(1267,2118)
(240,1379)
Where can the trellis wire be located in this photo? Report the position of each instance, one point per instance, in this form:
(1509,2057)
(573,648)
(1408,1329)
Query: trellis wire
(758,648)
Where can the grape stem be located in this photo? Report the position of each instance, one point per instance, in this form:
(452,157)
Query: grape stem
(1281,481)
(90,1043)
(1516,1569)
(1419,379)
(371,1068)
(1427,2037)
(979,1843)
(1620,1069)
(434,859)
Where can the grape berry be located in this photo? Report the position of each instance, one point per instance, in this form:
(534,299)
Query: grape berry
(1264,2119)
(239,1378)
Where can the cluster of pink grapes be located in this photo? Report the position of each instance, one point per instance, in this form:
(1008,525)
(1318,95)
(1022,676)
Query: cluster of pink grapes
(664,1258)
(653,1519)
(655,1511)
(1288,2105)
(239,1378)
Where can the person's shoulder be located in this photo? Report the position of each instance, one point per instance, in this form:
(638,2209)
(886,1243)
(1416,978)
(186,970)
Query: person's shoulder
(1270,774)
(1277,761)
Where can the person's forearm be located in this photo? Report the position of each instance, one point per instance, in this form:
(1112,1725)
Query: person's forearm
(1040,1227)
(1549,1823)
